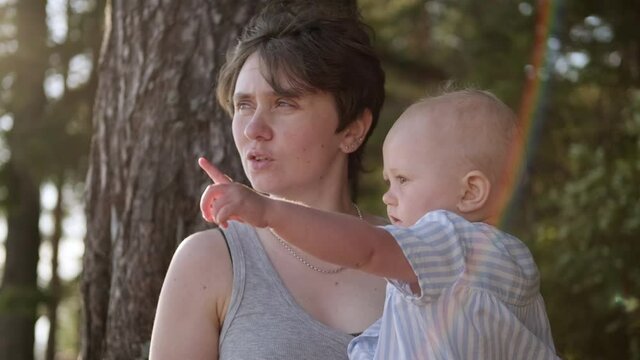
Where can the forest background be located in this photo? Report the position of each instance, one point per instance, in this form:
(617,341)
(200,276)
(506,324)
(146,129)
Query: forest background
(570,68)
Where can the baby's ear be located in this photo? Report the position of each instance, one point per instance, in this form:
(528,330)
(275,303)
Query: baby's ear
(475,191)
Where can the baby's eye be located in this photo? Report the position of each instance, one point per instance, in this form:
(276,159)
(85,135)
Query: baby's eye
(401,179)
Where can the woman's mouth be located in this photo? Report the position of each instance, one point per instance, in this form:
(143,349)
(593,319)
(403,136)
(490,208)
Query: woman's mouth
(258,161)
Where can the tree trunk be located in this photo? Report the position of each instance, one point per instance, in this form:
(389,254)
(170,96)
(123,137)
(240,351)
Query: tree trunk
(54,285)
(155,113)
(19,294)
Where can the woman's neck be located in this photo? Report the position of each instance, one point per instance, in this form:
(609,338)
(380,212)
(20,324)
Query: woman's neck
(336,199)
(329,192)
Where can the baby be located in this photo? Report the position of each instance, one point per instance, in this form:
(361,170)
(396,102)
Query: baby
(458,288)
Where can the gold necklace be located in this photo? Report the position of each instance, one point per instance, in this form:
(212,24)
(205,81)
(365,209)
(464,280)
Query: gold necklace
(303,260)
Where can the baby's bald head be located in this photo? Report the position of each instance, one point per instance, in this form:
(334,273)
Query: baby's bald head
(457,134)
(478,126)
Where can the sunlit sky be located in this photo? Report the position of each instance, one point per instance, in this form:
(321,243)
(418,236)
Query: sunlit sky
(71,245)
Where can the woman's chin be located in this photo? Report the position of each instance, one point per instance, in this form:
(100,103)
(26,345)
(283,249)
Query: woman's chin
(266,185)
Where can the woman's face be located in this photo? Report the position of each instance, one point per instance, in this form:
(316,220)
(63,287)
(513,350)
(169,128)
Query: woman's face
(288,145)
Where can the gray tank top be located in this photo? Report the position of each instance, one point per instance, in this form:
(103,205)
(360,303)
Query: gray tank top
(263,320)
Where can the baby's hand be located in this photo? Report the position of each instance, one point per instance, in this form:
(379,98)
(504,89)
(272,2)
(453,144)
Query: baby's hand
(225,200)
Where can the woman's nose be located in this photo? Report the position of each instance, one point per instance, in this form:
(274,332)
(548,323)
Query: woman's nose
(258,128)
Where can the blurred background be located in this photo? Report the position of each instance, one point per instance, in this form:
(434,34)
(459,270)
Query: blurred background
(571,69)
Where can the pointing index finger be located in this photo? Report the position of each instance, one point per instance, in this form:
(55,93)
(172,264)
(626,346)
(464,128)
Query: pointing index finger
(214,174)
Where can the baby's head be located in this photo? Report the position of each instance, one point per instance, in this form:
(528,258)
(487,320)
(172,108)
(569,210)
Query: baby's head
(449,152)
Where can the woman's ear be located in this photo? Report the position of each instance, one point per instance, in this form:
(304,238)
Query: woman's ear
(353,135)
(475,191)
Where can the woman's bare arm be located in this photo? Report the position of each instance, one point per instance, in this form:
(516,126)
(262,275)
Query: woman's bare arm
(193,300)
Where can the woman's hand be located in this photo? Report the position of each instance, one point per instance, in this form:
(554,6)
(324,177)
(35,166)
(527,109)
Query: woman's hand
(226,200)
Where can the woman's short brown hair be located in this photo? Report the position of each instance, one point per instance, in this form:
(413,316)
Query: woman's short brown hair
(312,49)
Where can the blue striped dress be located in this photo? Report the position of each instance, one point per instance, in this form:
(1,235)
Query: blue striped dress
(479,297)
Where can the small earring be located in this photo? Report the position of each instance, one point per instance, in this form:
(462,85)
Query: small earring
(349,148)
(358,142)
(353,146)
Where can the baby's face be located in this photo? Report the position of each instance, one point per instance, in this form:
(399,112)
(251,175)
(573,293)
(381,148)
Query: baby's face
(422,167)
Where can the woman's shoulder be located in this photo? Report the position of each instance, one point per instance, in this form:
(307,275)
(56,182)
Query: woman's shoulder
(204,247)
(202,264)
(202,260)
(209,238)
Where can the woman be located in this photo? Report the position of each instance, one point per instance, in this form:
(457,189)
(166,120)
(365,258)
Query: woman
(305,91)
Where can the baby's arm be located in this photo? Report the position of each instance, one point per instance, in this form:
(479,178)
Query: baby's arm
(341,239)
(338,238)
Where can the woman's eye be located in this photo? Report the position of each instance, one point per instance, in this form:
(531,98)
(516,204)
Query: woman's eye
(241,106)
(284,103)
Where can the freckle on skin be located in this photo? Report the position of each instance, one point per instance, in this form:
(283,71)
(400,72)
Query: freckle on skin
(336,283)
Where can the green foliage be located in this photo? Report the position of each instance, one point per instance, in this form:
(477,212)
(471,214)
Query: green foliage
(587,236)
(19,300)
(58,142)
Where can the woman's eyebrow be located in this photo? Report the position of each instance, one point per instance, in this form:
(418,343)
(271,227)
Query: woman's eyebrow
(241,96)
(288,93)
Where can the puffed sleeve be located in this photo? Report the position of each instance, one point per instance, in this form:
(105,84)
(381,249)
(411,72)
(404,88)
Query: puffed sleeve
(435,251)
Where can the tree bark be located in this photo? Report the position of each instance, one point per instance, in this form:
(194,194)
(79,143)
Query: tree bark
(155,113)
(19,294)
(54,284)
